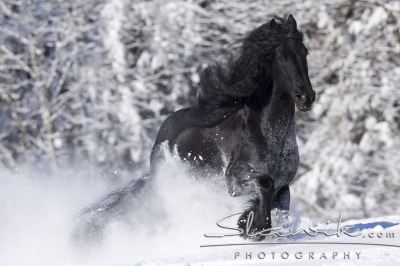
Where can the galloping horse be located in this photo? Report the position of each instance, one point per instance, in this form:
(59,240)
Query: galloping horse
(244,124)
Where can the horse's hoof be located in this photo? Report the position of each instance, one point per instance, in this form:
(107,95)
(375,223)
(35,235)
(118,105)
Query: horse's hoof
(256,238)
(253,234)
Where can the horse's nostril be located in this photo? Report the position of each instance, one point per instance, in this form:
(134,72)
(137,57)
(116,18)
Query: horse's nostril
(301,97)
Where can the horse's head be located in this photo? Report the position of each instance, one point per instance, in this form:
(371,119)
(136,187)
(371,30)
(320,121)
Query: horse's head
(289,67)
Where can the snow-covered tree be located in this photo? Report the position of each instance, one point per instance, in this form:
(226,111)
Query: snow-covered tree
(60,98)
(350,150)
(94,80)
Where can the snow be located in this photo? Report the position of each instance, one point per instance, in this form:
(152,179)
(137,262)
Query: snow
(38,214)
(111,13)
(378,16)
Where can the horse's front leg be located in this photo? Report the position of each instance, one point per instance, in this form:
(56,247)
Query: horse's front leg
(257,219)
(281,203)
(282,199)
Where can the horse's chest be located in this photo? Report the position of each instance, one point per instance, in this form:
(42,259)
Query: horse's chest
(280,153)
(272,151)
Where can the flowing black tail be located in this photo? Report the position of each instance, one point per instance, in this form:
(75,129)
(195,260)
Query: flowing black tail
(93,220)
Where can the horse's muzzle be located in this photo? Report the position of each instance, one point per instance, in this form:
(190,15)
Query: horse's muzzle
(304,102)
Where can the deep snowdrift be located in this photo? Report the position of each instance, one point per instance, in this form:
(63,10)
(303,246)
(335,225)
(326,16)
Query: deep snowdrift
(38,212)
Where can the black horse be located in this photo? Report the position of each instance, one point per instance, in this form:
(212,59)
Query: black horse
(244,124)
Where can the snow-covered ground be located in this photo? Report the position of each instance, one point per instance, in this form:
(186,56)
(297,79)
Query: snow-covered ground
(37,218)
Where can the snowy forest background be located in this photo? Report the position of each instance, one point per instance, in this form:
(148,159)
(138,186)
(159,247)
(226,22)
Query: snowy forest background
(91,81)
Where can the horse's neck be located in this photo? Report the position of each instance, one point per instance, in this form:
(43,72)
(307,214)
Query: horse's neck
(277,118)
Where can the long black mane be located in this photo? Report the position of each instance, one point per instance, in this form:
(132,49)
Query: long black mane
(227,87)
(244,79)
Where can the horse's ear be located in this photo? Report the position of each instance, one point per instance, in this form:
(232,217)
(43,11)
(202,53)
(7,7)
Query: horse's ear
(292,21)
(272,24)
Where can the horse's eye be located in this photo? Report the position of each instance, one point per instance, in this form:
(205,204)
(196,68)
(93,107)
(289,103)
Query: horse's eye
(281,58)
